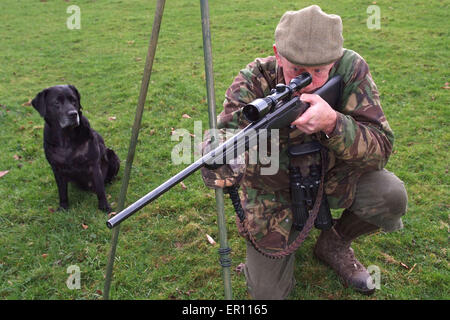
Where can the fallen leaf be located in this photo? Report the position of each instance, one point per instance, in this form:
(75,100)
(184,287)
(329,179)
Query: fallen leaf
(390,259)
(84,226)
(26,104)
(183,185)
(51,209)
(188,293)
(210,239)
(186,116)
(99,292)
(178,245)
(2,173)
(446,86)
(45,255)
(112,118)
(240,268)
(111,214)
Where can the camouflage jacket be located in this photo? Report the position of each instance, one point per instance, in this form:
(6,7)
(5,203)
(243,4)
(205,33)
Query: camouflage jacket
(362,141)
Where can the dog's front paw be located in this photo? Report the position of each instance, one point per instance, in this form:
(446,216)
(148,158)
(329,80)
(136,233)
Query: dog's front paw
(105,207)
(63,207)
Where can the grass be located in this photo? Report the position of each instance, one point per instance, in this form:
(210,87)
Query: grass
(163,252)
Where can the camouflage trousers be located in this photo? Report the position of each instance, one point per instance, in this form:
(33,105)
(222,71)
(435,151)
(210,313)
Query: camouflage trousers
(380,199)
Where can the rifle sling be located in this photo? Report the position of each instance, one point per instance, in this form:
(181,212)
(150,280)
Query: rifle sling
(294,245)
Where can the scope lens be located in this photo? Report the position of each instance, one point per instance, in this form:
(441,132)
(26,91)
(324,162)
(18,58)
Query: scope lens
(251,113)
(257,109)
(300,81)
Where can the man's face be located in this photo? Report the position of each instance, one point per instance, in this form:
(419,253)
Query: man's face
(319,73)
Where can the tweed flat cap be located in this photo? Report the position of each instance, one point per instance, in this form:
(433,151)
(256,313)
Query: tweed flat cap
(309,37)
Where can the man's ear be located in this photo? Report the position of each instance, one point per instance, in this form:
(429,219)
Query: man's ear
(77,94)
(39,102)
(277,56)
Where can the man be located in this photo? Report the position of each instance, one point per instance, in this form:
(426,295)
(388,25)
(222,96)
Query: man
(358,140)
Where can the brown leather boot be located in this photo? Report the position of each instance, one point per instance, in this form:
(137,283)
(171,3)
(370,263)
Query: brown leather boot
(333,248)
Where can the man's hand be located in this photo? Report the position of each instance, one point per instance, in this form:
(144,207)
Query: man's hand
(227,175)
(318,117)
(224,176)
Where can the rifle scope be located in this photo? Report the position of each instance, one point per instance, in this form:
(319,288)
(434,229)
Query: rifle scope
(258,108)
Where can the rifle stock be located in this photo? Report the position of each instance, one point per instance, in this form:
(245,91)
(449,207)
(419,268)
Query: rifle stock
(276,111)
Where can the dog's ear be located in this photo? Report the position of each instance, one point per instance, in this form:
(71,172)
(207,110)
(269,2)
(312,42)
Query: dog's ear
(39,102)
(77,94)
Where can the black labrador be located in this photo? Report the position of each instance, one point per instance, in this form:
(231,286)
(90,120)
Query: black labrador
(75,151)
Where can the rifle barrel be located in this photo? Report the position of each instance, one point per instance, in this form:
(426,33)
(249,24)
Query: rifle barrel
(218,155)
(152,195)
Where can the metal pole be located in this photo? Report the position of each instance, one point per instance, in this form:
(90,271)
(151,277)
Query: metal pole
(224,250)
(134,137)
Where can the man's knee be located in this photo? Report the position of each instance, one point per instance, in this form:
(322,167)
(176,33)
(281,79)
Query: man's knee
(381,199)
(395,196)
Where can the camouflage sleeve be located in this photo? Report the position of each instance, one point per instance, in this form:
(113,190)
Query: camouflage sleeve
(251,83)
(255,81)
(362,134)
(226,175)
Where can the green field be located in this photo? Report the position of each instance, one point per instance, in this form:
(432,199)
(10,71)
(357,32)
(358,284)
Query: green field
(163,252)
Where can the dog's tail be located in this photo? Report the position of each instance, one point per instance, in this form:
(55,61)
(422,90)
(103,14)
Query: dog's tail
(113,165)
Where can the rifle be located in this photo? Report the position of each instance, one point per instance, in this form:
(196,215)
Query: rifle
(275,111)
